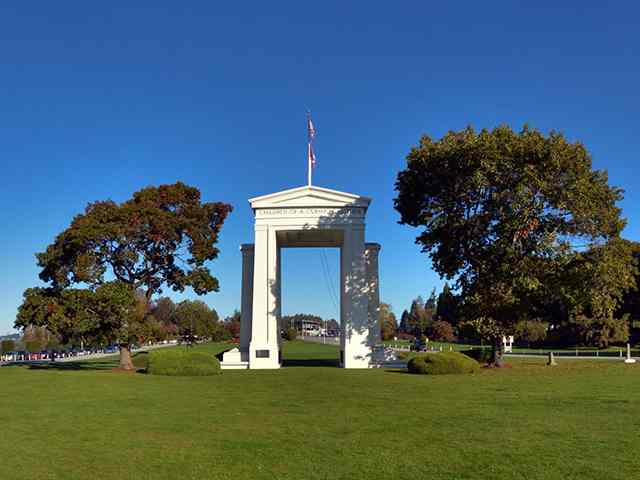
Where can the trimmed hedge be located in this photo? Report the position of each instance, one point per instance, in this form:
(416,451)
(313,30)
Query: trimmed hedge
(444,363)
(481,355)
(182,362)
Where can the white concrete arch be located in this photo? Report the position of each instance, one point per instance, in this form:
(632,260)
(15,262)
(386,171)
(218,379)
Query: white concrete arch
(308,216)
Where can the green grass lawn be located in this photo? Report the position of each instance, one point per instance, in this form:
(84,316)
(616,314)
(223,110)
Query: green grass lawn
(310,420)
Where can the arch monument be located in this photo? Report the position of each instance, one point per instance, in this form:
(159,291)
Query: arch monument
(308,216)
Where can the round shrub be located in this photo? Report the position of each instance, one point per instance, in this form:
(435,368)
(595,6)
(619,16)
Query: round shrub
(182,362)
(405,355)
(417,365)
(442,364)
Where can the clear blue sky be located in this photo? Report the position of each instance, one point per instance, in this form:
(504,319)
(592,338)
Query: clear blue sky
(99,99)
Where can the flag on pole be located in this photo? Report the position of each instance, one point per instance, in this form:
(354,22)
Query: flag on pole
(310,128)
(311,156)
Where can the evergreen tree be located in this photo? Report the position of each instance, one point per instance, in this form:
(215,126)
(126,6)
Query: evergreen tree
(447,303)
(432,301)
(430,308)
(405,321)
(418,318)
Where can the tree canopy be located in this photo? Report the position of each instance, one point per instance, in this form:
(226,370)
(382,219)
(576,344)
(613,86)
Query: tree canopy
(503,212)
(163,235)
(388,322)
(124,253)
(196,320)
(104,315)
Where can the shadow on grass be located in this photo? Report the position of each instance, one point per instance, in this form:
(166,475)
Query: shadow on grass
(103,365)
(66,366)
(310,362)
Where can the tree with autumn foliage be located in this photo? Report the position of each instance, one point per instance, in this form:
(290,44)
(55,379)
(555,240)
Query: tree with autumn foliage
(98,316)
(162,237)
(232,324)
(503,213)
(388,322)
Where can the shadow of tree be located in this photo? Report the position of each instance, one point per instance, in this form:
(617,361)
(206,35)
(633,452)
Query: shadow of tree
(65,366)
(397,370)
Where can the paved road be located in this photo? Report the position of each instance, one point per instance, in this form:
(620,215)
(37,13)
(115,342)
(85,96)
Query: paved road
(325,340)
(570,356)
(543,354)
(81,358)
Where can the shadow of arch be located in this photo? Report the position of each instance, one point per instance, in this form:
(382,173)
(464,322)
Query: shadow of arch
(311,362)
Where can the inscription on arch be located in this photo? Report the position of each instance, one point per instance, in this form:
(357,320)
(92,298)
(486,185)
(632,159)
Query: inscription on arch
(311,211)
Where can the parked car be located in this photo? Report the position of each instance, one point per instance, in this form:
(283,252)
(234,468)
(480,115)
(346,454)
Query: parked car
(418,345)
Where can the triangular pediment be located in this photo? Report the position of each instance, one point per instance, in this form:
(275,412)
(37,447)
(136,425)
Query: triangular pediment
(309,196)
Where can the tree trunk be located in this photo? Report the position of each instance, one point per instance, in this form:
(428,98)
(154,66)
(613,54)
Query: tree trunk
(498,353)
(125,357)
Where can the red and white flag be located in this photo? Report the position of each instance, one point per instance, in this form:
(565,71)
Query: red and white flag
(311,156)
(311,129)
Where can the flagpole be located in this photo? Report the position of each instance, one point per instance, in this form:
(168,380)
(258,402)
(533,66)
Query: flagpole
(309,166)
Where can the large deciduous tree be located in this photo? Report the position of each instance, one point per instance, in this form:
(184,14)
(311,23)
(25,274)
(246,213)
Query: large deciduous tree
(196,321)
(388,322)
(232,324)
(162,236)
(631,300)
(109,313)
(501,211)
(591,289)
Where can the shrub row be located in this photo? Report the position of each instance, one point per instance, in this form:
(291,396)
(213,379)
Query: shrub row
(182,362)
(442,364)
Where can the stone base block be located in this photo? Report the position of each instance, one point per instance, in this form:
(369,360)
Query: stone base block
(234,359)
(264,356)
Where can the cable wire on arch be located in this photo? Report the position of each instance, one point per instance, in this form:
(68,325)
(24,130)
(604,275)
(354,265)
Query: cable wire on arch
(328,276)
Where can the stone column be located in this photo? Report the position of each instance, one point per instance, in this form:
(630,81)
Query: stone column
(354,296)
(246,306)
(279,300)
(373,287)
(263,349)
